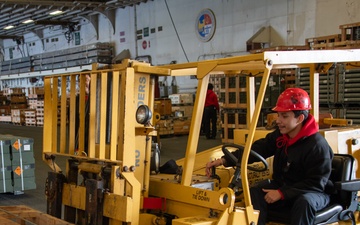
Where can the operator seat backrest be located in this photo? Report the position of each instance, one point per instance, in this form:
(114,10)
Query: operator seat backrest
(342,170)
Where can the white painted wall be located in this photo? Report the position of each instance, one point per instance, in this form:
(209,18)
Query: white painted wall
(332,13)
(236,21)
(125,24)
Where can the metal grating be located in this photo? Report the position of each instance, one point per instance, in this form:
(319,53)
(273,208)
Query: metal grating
(349,86)
(326,84)
(15,12)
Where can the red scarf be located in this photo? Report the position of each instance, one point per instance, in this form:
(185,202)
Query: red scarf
(309,128)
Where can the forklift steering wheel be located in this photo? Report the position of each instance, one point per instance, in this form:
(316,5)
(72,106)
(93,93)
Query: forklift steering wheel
(234,160)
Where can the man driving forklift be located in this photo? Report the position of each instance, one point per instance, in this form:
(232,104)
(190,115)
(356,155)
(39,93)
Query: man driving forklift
(301,166)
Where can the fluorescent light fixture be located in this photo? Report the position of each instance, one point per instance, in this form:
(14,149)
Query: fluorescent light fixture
(28,21)
(8,27)
(56,12)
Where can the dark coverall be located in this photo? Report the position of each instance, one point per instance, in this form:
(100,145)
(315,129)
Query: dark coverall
(301,171)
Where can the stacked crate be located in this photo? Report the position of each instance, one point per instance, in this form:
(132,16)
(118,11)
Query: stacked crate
(182,108)
(215,79)
(3,99)
(18,98)
(5,109)
(349,38)
(19,109)
(233,92)
(288,78)
(5,118)
(232,119)
(32,98)
(350,32)
(316,42)
(280,48)
(233,110)
(18,116)
(17,164)
(30,117)
(233,96)
(40,107)
(165,126)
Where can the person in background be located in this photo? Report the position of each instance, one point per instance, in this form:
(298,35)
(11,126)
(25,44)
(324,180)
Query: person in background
(301,166)
(210,113)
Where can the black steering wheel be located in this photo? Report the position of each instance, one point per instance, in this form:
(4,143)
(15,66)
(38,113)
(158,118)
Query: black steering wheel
(234,160)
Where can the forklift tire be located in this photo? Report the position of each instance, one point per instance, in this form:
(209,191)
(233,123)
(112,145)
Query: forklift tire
(155,158)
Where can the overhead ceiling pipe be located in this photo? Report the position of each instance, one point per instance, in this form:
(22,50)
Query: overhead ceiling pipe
(54,22)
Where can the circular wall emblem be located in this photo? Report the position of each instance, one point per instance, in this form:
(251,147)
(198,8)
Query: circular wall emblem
(144,44)
(205,25)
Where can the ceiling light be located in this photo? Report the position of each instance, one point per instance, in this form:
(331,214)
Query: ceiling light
(9,27)
(56,12)
(28,21)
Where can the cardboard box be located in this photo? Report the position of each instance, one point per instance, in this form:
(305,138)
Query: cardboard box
(17,90)
(5,110)
(18,120)
(18,106)
(184,98)
(182,126)
(18,99)
(5,119)
(165,127)
(182,111)
(163,106)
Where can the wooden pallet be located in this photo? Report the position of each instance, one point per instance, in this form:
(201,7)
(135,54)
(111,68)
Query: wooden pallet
(281,48)
(182,126)
(349,31)
(233,92)
(322,40)
(5,119)
(338,45)
(21,214)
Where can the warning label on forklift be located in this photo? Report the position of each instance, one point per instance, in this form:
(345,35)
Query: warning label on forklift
(201,196)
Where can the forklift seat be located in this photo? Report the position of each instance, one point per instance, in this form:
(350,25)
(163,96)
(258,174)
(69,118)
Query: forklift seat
(344,200)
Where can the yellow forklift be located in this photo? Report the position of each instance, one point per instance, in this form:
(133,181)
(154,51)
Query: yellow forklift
(109,175)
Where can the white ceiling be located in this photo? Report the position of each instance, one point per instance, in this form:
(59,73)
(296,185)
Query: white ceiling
(14,12)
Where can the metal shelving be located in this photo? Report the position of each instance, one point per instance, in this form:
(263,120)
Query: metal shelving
(326,84)
(338,90)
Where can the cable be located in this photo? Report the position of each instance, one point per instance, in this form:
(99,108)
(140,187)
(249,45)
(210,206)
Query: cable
(177,34)
(2,54)
(19,49)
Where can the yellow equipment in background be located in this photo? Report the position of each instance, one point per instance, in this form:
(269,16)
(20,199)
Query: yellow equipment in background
(113,183)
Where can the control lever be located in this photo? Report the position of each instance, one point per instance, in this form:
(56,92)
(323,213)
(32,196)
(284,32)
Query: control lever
(214,175)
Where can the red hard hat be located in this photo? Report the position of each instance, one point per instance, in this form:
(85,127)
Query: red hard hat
(293,99)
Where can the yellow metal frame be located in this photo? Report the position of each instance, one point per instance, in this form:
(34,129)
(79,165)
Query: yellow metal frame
(132,84)
(259,62)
